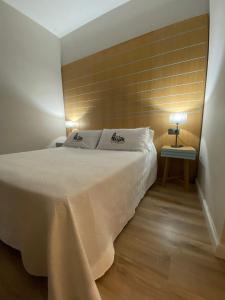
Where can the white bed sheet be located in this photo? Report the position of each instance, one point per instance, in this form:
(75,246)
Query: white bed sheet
(63,208)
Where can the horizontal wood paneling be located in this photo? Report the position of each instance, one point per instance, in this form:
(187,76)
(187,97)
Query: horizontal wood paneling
(139,82)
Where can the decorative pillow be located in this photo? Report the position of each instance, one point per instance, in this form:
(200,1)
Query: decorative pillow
(137,139)
(87,139)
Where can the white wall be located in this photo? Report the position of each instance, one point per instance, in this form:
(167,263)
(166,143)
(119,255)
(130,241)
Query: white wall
(212,155)
(125,22)
(31,101)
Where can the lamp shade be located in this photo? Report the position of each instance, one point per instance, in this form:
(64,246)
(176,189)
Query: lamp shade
(70,124)
(178,118)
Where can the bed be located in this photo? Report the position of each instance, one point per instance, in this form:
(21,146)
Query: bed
(62,209)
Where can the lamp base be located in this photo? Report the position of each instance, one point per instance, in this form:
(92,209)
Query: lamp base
(177,146)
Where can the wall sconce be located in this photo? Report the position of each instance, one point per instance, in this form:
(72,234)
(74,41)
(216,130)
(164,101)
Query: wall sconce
(177,118)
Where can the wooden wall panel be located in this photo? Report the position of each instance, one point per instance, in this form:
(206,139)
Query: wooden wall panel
(140,82)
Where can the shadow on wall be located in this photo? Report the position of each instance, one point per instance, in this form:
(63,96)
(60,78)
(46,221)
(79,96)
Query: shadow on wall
(212,165)
(25,127)
(204,165)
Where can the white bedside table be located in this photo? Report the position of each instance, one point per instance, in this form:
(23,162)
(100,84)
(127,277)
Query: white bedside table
(185,153)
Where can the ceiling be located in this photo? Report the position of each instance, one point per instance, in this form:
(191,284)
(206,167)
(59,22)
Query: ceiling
(63,16)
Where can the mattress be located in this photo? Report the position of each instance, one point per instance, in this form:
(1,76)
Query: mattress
(62,209)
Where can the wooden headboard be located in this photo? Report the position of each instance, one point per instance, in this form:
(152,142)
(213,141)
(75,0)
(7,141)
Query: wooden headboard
(140,82)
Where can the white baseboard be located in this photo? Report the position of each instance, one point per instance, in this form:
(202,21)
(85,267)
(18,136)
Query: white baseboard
(219,249)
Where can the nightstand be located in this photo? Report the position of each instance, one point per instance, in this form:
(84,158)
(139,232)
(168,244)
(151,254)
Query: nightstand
(59,144)
(185,153)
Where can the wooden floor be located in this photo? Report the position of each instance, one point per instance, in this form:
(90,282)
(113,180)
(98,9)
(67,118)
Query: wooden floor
(164,253)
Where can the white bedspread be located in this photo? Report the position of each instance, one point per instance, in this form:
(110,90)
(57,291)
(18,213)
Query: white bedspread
(63,208)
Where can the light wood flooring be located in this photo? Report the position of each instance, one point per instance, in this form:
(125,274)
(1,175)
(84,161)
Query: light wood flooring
(164,253)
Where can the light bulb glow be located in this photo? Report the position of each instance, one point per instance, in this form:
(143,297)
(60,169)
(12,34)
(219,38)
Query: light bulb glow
(70,124)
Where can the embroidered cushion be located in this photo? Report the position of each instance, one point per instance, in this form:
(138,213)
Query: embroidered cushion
(137,139)
(87,139)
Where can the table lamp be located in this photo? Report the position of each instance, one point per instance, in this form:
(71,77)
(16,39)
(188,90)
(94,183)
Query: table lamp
(70,125)
(177,118)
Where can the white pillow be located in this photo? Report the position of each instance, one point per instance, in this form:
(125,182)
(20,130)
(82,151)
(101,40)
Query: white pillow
(137,139)
(87,139)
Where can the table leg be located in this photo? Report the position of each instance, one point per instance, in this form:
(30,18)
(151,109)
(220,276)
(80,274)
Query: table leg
(166,170)
(186,174)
